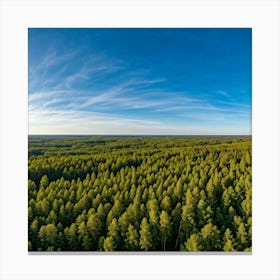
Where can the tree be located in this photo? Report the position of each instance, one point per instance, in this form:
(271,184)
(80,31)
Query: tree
(113,229)
(94,227)
(45,207)
(83,236)
(193,244)
(247,204)
(31,189)
(123,222)
(145,235)
(165,226)
(101,212)
(178,192)
(52,218)
(210,237)
(132,238)
(166,203)
(48,235)
(241,237)
(228,241)
(153,211)
(176,218)
(44,182)
(109,244)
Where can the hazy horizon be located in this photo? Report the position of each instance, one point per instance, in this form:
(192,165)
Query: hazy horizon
(158,135)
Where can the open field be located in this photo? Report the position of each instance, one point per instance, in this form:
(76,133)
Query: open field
(139,193)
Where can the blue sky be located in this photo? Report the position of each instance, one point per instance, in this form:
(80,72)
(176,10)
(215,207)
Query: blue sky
(139,81)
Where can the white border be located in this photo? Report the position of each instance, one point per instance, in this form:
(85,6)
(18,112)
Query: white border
(262,16)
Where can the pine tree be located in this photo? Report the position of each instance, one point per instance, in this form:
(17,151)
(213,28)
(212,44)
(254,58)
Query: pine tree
(193,244)
(210,236)
(228,241)
(165,226)
(132,238)
(109,244)
(145,235)
(48,236)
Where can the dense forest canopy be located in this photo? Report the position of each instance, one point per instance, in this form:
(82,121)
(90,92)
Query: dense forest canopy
(140,193)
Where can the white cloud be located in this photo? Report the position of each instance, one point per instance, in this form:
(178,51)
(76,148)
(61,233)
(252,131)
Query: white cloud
(224,93)
(57,73)
(73,121)
(57,106)
(44,95)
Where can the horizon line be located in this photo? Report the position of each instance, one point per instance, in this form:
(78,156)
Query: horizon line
(139,134)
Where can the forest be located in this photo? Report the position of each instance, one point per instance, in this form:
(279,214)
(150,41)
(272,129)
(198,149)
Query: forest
(140,193)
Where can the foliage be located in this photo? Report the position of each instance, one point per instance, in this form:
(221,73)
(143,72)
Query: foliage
(97,193)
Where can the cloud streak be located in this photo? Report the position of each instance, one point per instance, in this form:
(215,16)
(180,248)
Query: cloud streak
(88,122)
(89,84)
(224,93)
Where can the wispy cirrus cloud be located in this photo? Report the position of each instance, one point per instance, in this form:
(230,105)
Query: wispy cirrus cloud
(89,123)
(103,82)
(63,71)
(61,122)
(224,93)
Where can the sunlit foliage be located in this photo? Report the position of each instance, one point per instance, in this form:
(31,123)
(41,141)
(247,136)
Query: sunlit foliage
(139,193)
